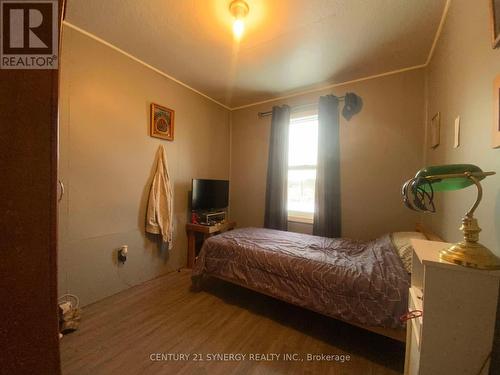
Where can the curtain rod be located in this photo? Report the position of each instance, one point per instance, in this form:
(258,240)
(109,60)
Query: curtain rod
(295,108)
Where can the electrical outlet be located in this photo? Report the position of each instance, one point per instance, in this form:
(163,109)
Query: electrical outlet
(122,254)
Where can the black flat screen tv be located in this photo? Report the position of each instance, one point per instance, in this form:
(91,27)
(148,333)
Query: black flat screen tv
(209,195)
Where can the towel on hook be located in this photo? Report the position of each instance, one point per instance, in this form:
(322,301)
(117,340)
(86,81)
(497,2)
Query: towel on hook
(159,215)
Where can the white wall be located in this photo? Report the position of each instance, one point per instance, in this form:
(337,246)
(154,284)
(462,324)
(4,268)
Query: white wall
(460,83)
(106,164)
(381,147)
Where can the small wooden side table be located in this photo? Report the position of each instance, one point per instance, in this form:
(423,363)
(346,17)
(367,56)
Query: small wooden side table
(206,231)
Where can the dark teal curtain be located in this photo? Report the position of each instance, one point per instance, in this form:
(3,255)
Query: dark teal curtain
(327,196)
(276,215)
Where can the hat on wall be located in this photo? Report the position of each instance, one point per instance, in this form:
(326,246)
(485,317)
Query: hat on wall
(352,105)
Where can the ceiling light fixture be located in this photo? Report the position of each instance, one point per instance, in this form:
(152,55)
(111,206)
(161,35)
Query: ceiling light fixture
(239,9)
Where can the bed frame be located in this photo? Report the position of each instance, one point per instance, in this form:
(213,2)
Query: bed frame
(393,333)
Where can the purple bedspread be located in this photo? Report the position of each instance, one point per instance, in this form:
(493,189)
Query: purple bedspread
(363,282)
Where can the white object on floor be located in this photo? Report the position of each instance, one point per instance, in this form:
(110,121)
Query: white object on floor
(65,306)
(159,214)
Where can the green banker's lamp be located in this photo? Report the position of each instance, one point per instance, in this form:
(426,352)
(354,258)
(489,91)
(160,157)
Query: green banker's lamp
(418,194)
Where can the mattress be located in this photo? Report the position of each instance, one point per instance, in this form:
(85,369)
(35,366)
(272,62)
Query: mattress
(363,282)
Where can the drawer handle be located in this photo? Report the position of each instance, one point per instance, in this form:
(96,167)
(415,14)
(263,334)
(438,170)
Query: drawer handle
(411,315)
(62,190)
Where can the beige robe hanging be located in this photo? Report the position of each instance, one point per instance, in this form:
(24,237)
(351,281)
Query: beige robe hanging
(159,215)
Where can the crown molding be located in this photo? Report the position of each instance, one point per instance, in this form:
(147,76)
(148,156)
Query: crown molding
(330,86)
(299,93)
(438,31)
(102,41)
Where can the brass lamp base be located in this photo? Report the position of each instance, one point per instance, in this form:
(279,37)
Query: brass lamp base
(473,255)
(470,253)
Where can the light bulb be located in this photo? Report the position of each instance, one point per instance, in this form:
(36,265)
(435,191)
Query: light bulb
(238,28)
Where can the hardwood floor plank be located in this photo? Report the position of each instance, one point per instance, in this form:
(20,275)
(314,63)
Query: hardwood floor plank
(118,334)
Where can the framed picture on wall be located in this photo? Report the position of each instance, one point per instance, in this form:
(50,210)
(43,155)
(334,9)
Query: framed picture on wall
(162,122)
(435,130)
(495,135)
(495,22)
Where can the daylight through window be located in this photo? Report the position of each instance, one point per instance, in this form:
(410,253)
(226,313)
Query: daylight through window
(302,158)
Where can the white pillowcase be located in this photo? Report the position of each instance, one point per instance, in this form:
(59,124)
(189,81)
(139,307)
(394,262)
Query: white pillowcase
(401,241)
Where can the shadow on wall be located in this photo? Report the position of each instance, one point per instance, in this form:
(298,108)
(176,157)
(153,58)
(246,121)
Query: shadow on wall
(141,220)
(181,208)
(497,215)
(495,356)
(162,247)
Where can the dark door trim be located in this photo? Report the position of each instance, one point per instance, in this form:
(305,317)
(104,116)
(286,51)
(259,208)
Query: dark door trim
(28,220)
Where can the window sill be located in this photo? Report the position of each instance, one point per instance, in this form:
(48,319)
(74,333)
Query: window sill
(302,220)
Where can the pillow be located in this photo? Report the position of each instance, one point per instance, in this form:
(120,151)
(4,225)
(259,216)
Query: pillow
(401,241)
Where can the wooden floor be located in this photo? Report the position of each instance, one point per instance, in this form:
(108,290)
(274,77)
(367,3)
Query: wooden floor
(120,334)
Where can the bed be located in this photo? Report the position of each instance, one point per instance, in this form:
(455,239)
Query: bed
(361,282)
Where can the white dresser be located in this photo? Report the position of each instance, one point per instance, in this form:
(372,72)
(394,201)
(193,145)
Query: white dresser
(455,333)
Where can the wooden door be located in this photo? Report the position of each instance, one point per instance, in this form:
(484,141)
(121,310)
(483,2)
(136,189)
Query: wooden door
(29,341)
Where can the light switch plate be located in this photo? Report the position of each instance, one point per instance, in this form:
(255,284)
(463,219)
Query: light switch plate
(456,141)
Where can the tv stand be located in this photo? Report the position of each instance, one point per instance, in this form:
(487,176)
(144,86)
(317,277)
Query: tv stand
(205,231)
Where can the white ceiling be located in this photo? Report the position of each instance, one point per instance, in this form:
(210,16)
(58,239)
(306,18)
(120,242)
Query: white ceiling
(288,45)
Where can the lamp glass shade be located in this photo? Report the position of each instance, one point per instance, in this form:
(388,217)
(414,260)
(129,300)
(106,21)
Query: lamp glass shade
(447,184)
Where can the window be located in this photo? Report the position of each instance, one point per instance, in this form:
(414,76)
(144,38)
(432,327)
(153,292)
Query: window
(302,158)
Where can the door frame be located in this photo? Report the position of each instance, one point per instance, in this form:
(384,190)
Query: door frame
(29,325)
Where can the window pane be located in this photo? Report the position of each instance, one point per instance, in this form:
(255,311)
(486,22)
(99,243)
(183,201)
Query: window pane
(303,141)
(301,190)
(302,159)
